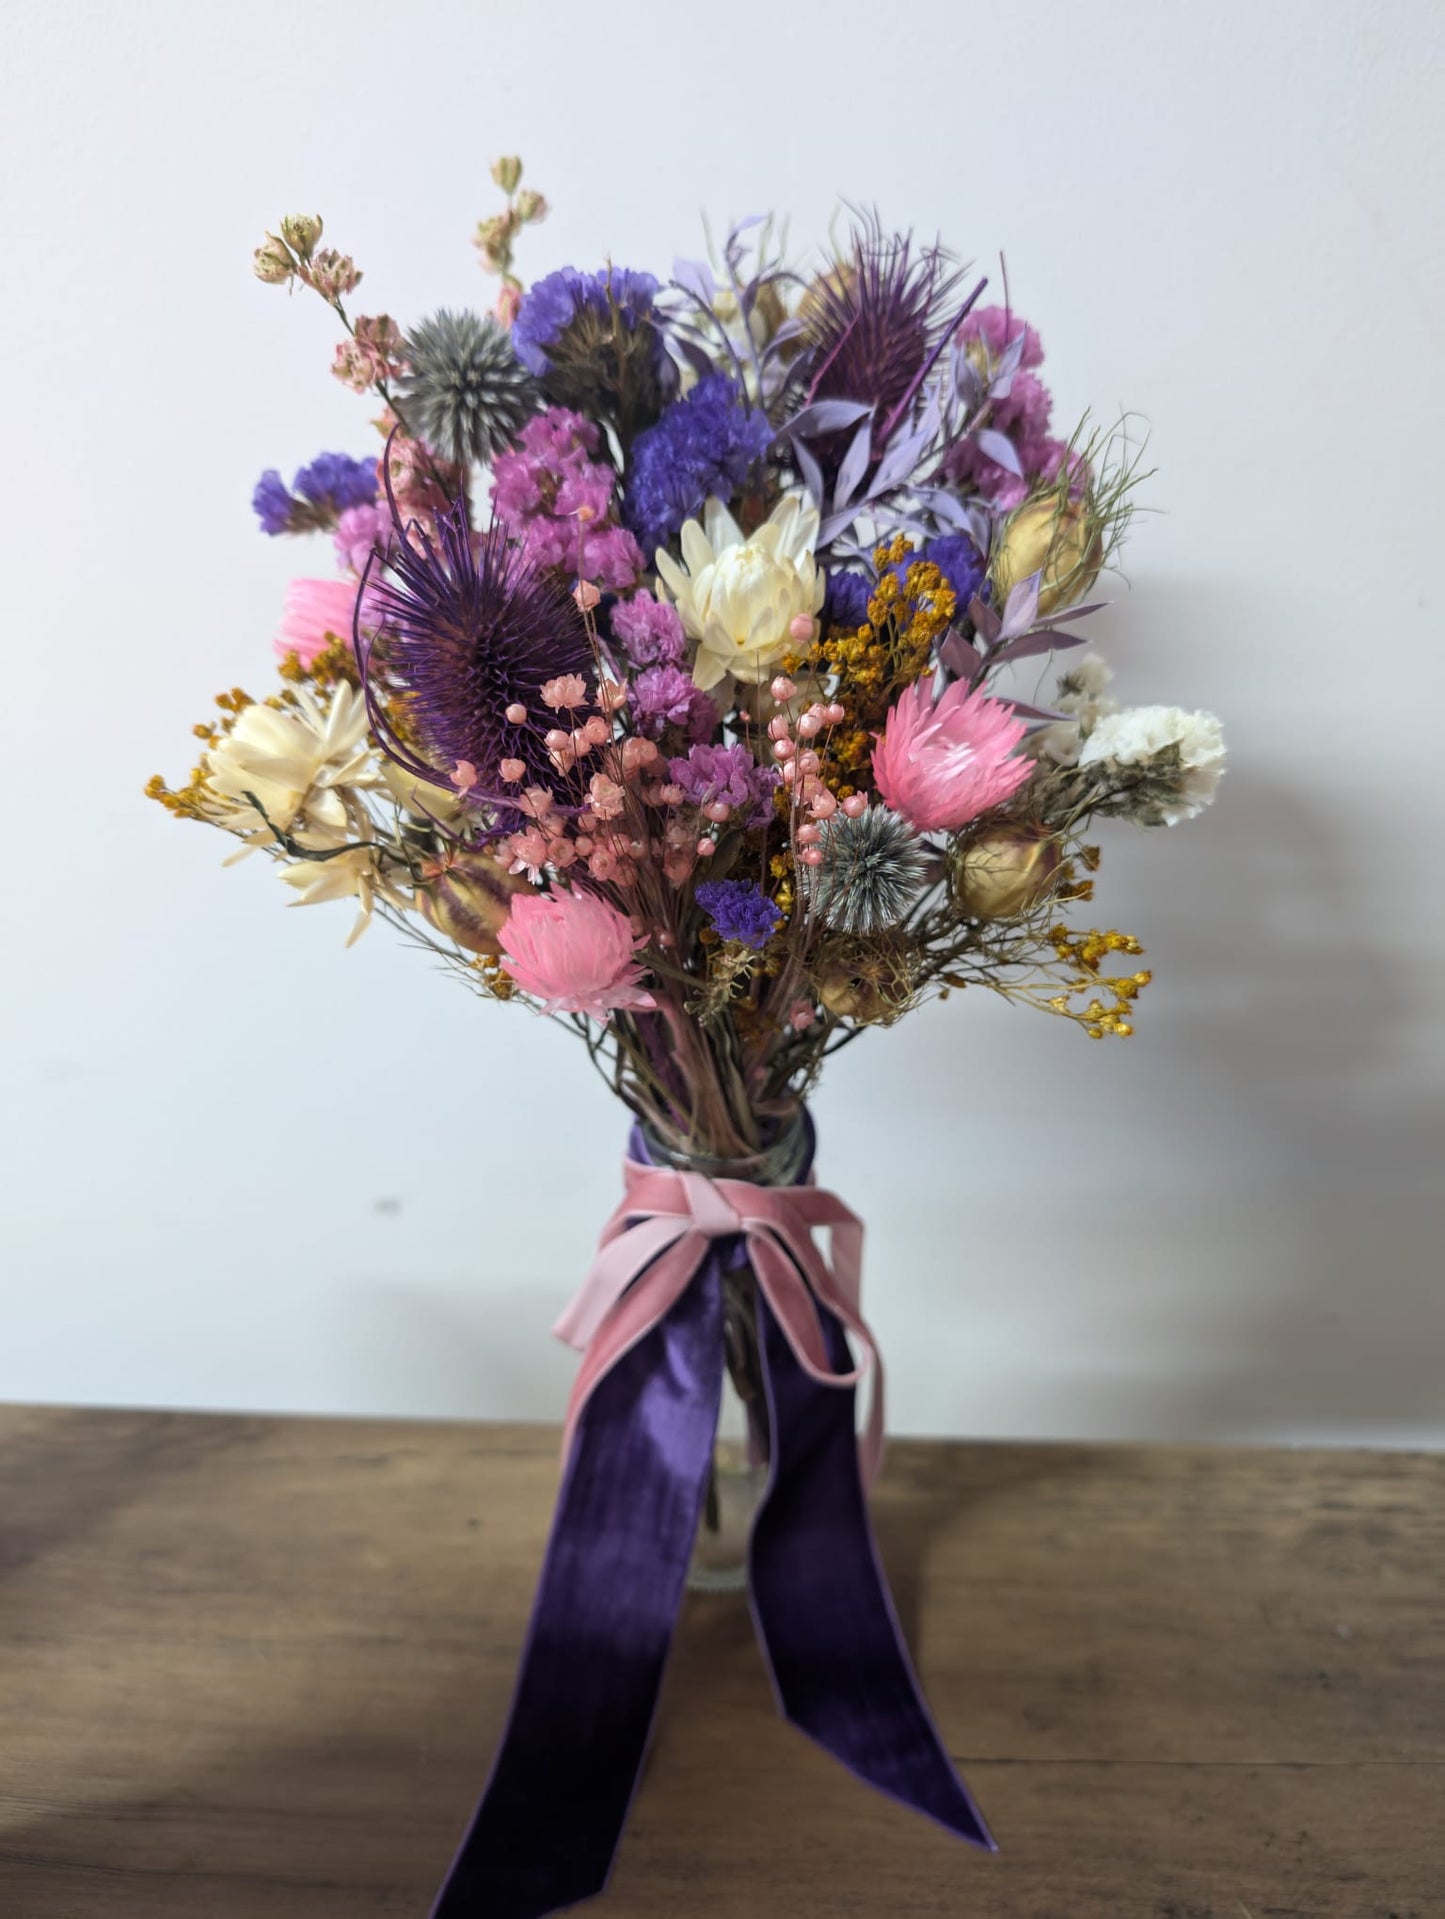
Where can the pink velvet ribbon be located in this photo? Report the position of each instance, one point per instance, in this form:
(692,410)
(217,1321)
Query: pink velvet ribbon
(662,1231)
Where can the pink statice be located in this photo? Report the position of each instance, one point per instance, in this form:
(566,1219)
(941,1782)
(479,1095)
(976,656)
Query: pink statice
(650,631)
(941,763)
(575,953)
(557,501)
(360,532)
(664,696)
(316,613)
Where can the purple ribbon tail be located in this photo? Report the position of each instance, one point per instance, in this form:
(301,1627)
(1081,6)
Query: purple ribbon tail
(612,1581)
(820,1600)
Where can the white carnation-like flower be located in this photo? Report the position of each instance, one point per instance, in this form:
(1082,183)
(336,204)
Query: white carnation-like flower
(1186,749)
(1081,695)
(739,597)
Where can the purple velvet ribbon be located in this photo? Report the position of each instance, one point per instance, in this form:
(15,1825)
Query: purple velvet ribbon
(548,1825)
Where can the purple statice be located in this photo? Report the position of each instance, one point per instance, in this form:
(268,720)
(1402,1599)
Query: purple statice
(650,631)
(960,563)
(466,630)
(726,775)
(557,504)
(555,303)
(320,492)
(703,445)
(845,603)
(666,695)
(595,340)
(740,911)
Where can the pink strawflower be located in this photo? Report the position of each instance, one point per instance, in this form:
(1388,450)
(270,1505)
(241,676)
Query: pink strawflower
(574,953)
(316,613)
(940,764)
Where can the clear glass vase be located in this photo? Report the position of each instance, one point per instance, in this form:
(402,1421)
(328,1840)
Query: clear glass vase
(740,1455)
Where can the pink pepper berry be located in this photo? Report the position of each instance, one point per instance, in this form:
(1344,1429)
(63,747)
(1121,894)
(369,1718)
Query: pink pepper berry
(808,762)
(802,627)
(513,770)
(856,805)
(809,726)
(811,856)
(517,714)
(783,749)
(783,688)
(808,835)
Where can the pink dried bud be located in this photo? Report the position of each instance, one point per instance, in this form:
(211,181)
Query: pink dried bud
(811,856)
(537,801)
(513,770)
(808,762)
(717,811)
(803,627)
(568,689)
(580,743)
(637,755)
(606,797)
(706,849)
(301,231)
(561,852)
(517,714)
(808,835)
(333,273)
(783,688)
(556,741)
(598,730)
(800,1016)
(612,695)
(464,776)
(586,595)
(507,304)
(783,749)
(790,772)
(856,805)
(833,713)
(779,726)
(670,794)
(823,804)
(272,262)
(809,726)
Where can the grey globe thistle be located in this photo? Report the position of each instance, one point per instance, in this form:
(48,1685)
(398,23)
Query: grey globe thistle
(465,392)
(870,874)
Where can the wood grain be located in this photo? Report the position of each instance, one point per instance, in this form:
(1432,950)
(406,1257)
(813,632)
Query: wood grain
(254,1669)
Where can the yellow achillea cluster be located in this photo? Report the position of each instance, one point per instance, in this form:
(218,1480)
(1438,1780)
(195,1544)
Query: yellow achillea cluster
(909,613)
(193,801)
(1084,954)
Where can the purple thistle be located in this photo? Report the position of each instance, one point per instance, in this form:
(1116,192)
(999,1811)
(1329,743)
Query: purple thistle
(872,326)
(465,631)
(740,910)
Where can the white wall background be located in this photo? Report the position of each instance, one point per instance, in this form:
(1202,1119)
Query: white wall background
(243,1168)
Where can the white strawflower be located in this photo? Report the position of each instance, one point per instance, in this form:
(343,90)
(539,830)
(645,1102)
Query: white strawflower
(300,762)
(738,598)
(1181,756)
(1080,694)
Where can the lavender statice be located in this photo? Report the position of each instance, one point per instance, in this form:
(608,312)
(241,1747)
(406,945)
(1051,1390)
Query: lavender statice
(650,631)
(468,631)
(704,445)
(667,695)
(729,776)
(739,910)
(319,494)
(595,341)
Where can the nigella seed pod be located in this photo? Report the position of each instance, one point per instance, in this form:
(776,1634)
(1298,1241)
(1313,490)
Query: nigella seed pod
(1004,872)
(866,982)
(1062,540)
(469,899)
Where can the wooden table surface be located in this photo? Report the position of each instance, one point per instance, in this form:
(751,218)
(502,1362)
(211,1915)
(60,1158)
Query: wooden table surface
(254,1668)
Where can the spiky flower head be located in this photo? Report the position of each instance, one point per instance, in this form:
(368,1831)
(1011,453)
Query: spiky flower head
(467,630)
(465,391)
(870,327)
(871,871)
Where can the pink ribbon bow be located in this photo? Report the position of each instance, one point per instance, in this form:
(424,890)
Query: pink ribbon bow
(660,1234)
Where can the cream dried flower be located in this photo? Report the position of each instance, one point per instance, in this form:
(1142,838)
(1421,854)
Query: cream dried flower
(302,764)
(1169,761)
(738,598)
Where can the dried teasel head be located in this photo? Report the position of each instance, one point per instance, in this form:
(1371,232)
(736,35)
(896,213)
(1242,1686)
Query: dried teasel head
(869,982)
(1003,872)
